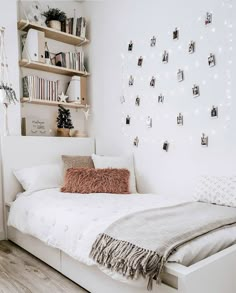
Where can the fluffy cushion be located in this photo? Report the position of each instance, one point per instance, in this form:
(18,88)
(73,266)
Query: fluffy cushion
(40,177)
(125,162)
(85,180)
(77,162)
(219,190)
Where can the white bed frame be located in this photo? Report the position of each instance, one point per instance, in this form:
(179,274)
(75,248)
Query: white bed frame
(215,274)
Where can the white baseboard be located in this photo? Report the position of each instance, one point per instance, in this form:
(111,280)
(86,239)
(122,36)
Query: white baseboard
(2,235)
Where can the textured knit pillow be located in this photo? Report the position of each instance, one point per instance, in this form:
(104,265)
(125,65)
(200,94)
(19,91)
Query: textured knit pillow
(219,190)
(77,162)
(85,180)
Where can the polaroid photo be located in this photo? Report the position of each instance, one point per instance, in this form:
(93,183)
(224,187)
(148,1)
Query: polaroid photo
(180,120)
(180,75)
(153,41)
(127,120)
(131,80)
(140,61)
(191,47)
(136,141)
(153,82)
(196,91)
(166,146)
(149,122)
(204,140)
(208,18)
(130,46)
(214,112)
(161,99)
(165,57)
(137,101)
(176,34)
(211,60)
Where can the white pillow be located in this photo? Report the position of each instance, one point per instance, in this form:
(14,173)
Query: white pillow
(219,190)
(125,162)
(40,177)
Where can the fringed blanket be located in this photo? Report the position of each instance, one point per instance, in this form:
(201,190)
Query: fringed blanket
(141,243)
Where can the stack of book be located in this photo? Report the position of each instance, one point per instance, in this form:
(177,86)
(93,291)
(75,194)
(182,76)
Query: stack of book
(37,88)
(75,26)
(71,60)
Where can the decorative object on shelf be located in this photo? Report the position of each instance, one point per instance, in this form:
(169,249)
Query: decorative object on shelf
(137,101)
(122,99)
(34,127)
(166,146)
(176,34)
(34,46)
(204,140)
(140,61)
(149,122)
(64,123)
(211,60)
(180,120)
(214,112)
(153,41)
(54,18)
(7,93)
(131,80)
(161,98)
(196,91)
(153,82)
(208,18)
(165,57)
(47,54)
(76,90)
(86,112)
(34,13)
(191,47)
(62,98)
(127,120)
(180,75)
(136,141)
(130,46)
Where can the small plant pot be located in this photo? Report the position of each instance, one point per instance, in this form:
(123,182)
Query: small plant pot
(63,132)
(55,24)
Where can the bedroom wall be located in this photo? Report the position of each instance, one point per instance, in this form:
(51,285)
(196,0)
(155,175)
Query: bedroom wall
(112,25)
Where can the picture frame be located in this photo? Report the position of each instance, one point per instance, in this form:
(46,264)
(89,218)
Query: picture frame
(153,41)
(180,75)
(204,140)
(191,47)
(196,91)
(180,120)
(211,60)
(165,57)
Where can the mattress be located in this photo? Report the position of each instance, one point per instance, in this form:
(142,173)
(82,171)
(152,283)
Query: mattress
(71,222)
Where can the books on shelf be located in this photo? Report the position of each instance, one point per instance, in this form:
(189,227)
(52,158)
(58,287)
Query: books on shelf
(75,26)
(70,60)
(38,88)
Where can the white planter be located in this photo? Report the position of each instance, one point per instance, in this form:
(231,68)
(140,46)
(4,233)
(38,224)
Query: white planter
(55,24)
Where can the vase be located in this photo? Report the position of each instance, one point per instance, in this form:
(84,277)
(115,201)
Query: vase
(55,24)
(63,132)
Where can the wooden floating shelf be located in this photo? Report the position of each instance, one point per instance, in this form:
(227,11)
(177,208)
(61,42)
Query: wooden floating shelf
(53,34)
(53,103)
(51,68)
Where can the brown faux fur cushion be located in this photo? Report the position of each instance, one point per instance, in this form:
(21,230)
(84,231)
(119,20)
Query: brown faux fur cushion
(85,180)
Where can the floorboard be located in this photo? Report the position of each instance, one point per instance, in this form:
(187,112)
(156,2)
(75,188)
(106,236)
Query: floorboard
(22,272)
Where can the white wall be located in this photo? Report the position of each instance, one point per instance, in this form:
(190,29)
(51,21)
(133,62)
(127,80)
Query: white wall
(112,25)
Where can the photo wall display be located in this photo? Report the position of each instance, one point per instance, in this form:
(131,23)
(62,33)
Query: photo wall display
(181,74)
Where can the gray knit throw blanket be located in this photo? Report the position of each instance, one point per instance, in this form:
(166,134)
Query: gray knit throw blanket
(140,244)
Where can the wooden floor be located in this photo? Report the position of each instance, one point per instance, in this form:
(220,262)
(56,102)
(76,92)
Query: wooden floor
(22,272)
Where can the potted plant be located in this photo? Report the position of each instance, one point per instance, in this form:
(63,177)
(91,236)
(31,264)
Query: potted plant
(64,123)
(54,18)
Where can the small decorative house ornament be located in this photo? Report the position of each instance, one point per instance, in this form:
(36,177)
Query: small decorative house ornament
(211,60)
(180,120)
(140,61)
(137,101)
(214,112)
(196,91)
(130,46)
(136,141)
(204,140)
(208,18)
(127,120)
(165,57)
(153,81)
(131,80)
(149,122)
(166,146)
(191,47)
(161,98)
(180,75)
(153,41)
(176,34)
(122,99)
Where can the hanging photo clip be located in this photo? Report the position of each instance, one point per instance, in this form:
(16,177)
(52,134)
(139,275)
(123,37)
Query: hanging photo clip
(131,80)
(180,120)
(204,140)
(214,112)
(136,141)
(153,82)
(165,57)
(208,18)
(127,120)
(211,60)
(153,41)
(196,91)
(176,34)
(137,101)
(191,47)
(130,46)
(161,98)
(149,122)
(140,61)
(180,75)
(166,146)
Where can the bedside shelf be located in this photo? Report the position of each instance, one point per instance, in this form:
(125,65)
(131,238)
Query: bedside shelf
(53,103)
(51,68)
(50,33)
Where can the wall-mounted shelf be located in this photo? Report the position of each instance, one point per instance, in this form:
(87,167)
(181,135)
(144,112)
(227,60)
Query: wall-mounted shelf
(53,103)
(51,68)
(50,33)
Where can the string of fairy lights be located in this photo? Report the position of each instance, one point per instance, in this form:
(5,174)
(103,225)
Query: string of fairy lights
(142,93)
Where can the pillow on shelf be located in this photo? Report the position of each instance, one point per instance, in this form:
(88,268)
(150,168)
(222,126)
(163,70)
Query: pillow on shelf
(125,162)
(219,190)
(77,162)
(40,177)
(85,180)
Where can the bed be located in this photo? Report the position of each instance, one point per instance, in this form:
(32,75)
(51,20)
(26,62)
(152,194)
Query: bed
(190,271)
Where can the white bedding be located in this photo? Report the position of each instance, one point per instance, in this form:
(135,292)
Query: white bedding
(71,222)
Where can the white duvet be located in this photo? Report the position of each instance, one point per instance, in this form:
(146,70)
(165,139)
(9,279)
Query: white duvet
(71,222)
